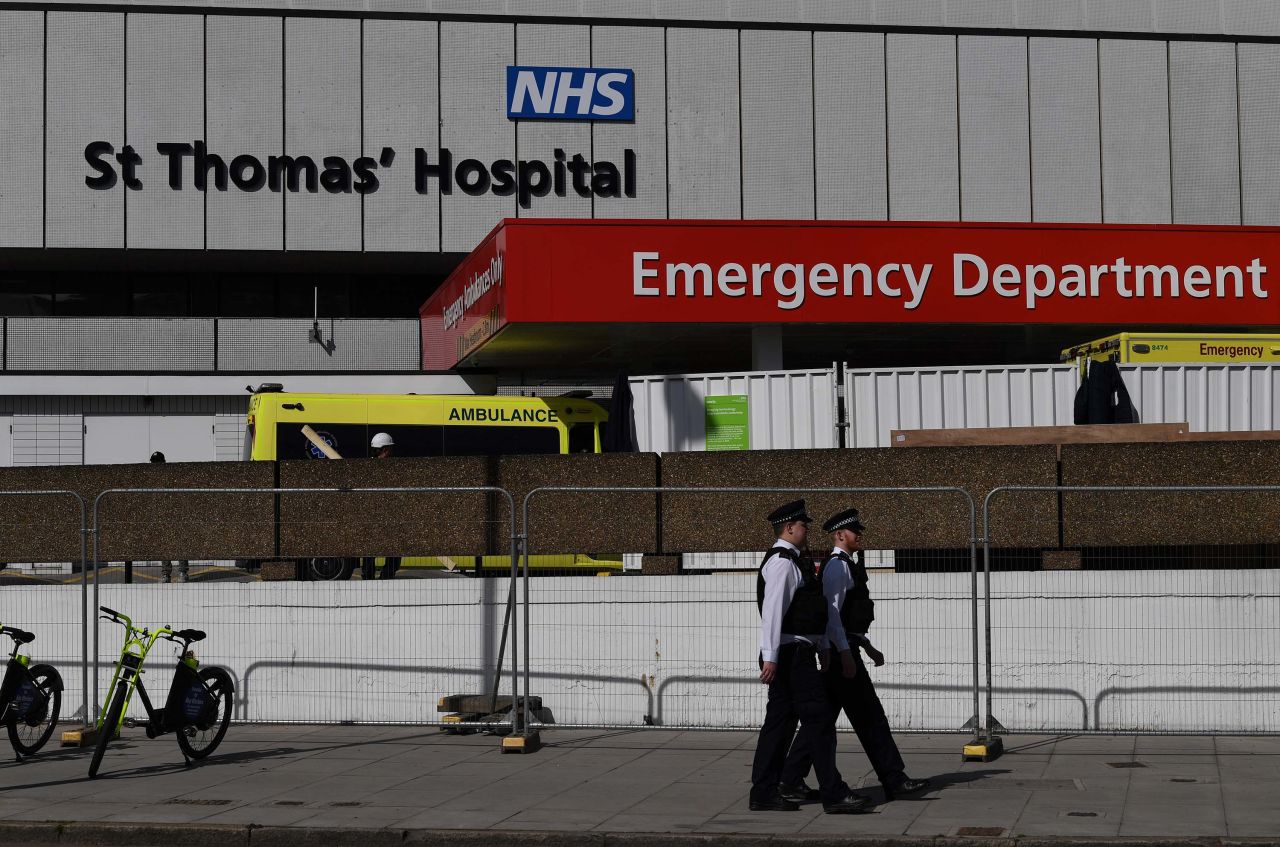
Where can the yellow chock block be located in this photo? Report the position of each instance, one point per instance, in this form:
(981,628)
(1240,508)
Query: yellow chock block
(86,736)
(522,744)
(451,719)
(983,750)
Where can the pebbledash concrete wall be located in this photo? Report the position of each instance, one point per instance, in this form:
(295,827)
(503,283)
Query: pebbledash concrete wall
(1151,650)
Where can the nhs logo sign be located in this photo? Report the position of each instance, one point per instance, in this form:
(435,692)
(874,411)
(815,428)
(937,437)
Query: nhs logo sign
(571,94)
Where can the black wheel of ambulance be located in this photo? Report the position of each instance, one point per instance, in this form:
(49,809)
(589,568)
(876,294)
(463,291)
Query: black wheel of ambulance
(326,568)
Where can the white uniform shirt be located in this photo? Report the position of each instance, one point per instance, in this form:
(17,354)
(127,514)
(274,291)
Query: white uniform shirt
(781,582)
(837,581)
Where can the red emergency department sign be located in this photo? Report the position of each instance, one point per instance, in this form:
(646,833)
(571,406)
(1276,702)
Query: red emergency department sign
(572,271)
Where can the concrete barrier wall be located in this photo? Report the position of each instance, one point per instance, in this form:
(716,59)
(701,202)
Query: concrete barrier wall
(224,526)
(1070,653)
(140,526)
(393,523)
(736,522)
(1128,518)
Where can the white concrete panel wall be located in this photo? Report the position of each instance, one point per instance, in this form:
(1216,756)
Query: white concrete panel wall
(554,46)
(1135,131)
(703,124)
(1147,650)
(165,104)
(995,149)
(1259,128)
(643,49)
(85,103)
(924,155)
(401,111)
(473,66)
(788,409)
(849,126)
(1066,162)
(245,114)
(878,401)
(777,125)
(322,118)
(21,128)
(680,651)
(1205,132)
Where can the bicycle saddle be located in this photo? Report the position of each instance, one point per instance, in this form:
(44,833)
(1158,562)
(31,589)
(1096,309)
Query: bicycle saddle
(21,636)
(190,635)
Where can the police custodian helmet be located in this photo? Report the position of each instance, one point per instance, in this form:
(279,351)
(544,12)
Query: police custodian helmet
(793,511)
(848,519)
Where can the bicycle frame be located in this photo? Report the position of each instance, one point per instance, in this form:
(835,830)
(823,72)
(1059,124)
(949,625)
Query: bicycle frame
(137,645)
(18,669)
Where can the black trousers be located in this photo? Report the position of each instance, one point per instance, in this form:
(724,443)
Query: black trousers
(798,694)
(389,568)
(858,698)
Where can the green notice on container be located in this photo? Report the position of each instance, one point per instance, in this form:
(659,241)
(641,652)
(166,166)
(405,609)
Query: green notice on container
(727,423)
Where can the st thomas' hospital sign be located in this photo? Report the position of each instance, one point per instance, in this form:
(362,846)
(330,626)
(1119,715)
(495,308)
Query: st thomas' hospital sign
(537,93)
(190,164)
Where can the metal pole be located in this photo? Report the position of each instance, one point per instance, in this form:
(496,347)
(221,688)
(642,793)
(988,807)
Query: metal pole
(84,610)
(94,608)
(511,610)
(973,570)
(527,659)
(986,567)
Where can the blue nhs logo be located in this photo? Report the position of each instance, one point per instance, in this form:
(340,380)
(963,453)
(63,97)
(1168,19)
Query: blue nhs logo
(571,94)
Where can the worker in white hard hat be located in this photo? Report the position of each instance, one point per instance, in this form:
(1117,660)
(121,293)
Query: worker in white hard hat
(383,447)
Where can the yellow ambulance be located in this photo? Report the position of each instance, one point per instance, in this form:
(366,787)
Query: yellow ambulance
(284,425)
(1156,347)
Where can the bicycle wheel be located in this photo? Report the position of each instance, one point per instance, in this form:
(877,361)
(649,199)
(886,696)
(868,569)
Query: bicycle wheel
(201,738)
(29,732)
(109,726)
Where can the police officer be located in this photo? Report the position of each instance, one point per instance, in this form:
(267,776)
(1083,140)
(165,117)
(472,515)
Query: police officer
(793,618)
(850,613)
(166,567)
(383,446)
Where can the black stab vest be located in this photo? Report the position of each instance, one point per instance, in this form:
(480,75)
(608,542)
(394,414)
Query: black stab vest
(807,612)
(858,610)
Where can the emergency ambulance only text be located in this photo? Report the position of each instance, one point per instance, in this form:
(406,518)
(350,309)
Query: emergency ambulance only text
(971,276)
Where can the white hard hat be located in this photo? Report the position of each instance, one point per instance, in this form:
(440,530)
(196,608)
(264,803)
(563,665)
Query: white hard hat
(381,440)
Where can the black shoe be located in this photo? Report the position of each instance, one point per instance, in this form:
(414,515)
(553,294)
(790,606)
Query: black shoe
(850,804)
(798,792)
(906,785)
(776,803)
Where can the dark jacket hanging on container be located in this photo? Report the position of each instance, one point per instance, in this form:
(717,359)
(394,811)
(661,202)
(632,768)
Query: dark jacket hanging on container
(1102,397)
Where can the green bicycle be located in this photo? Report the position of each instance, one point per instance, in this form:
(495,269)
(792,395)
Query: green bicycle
(198,708)
(30,697)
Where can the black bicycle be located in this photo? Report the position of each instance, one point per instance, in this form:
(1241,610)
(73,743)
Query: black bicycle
(198,709)
(30,697)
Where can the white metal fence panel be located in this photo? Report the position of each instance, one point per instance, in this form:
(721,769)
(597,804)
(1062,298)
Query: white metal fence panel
(880,400)
(1210,397)
(788,409)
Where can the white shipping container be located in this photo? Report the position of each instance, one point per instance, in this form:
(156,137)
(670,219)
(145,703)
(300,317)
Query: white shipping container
(1209,397)
(789,410)
(880,400)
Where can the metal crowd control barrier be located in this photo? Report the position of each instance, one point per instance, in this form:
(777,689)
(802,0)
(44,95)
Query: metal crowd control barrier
(84,591)
(718,653)
(1141,638)
(429,593)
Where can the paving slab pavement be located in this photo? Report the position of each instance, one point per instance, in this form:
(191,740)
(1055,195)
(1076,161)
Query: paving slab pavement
(301,785)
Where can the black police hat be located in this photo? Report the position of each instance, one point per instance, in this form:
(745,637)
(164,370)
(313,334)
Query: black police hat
(793,511)
(848,519)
